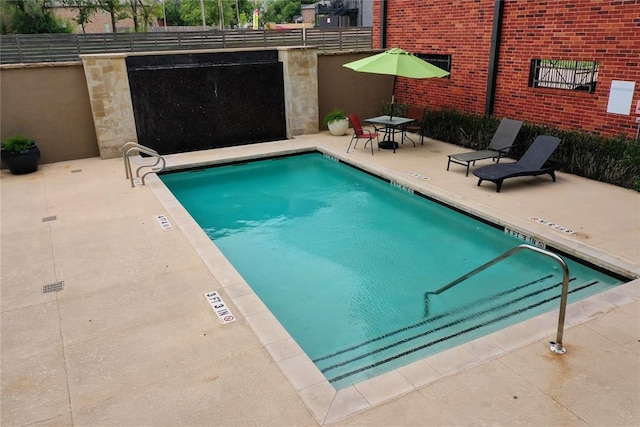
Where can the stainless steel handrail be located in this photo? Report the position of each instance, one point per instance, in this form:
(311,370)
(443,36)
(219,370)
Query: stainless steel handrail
(127,163)
(556,346)
(131,147)
(154,168)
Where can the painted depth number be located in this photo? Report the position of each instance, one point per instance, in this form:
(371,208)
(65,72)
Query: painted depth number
(220,308)
(528,239)
(164,223)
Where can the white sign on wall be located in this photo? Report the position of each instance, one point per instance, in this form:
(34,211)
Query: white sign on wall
(620,97)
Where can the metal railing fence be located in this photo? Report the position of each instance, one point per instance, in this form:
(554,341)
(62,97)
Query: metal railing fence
(564,74)
(30,48)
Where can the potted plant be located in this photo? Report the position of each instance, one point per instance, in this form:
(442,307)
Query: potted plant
(20,154)
(337,122)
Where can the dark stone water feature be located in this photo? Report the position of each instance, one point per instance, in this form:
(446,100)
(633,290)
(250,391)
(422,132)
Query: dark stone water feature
(189,102)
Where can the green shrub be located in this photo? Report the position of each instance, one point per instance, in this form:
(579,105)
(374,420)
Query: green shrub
(334,115)
(614,160)
(398,109)
(30,17)
(17,144)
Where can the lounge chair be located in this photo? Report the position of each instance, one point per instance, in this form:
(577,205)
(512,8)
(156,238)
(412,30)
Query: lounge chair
(535,161)
(500,145)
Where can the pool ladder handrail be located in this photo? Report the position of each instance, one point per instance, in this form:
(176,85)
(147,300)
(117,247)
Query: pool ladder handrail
(132,147)
(556,346)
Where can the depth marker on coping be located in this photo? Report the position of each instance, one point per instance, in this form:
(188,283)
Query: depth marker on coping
(401,187)
(555,226)
(416,174)
(220,308)
(164,223)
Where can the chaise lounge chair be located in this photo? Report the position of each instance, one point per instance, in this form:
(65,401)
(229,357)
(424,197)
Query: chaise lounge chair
(535,161)
(500,145)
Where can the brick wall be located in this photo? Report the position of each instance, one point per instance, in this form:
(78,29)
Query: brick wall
(607,31)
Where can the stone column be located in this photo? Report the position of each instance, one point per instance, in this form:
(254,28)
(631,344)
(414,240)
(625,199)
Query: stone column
(111,105)
(300,69)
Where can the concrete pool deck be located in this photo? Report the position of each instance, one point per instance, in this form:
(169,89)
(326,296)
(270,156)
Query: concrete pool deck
(131,340)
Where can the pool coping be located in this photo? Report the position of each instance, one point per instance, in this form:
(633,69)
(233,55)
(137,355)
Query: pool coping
(329,405)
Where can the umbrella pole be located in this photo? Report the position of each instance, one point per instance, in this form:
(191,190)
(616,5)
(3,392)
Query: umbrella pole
(393,97)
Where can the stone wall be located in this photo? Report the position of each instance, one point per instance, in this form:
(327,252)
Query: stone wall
(300,68)
(110,99)
(112,108)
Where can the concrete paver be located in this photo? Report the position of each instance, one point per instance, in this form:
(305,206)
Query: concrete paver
(131,340)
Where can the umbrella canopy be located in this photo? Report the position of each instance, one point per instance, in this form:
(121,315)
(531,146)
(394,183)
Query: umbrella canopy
(397,62)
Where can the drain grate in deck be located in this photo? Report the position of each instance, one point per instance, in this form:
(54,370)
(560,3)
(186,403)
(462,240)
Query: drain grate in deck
(49,218)
(54,287)
(76,170)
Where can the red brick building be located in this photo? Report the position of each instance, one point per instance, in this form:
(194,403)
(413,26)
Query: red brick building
(554,61)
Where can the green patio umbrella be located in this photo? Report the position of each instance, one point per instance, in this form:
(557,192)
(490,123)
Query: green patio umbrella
(397,62)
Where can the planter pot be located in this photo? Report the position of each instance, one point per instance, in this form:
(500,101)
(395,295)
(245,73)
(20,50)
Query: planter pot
(23,162)
(339,127)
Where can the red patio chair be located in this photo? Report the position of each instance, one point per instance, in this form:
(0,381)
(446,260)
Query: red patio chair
(360,133)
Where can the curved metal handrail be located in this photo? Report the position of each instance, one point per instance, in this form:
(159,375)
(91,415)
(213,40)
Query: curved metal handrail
(127,165)
(127,162)
(556,346)
(129,148)
(153,168)
(151,153)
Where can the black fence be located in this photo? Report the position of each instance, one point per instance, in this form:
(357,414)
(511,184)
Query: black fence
(30,48)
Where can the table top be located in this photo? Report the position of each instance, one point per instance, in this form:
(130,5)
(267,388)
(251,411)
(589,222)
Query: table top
(389,121)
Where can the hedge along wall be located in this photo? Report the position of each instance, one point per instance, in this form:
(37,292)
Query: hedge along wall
(585,30)
(614,160)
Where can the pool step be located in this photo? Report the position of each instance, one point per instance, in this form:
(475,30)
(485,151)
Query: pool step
(443,329)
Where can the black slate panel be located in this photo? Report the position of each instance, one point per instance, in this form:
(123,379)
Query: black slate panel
(186,106)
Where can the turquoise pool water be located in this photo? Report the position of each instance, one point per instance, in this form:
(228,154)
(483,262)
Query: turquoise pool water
(343,260)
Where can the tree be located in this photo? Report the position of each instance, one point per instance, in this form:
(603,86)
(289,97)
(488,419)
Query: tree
(131,8)
(142,9)
(114,8)
(243,11)
(86,8)
(281,11)
(148,10)
(29,17)
(141,12)
(190,12)
(172,11)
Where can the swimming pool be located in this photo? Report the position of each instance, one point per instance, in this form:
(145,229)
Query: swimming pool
(322,245)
